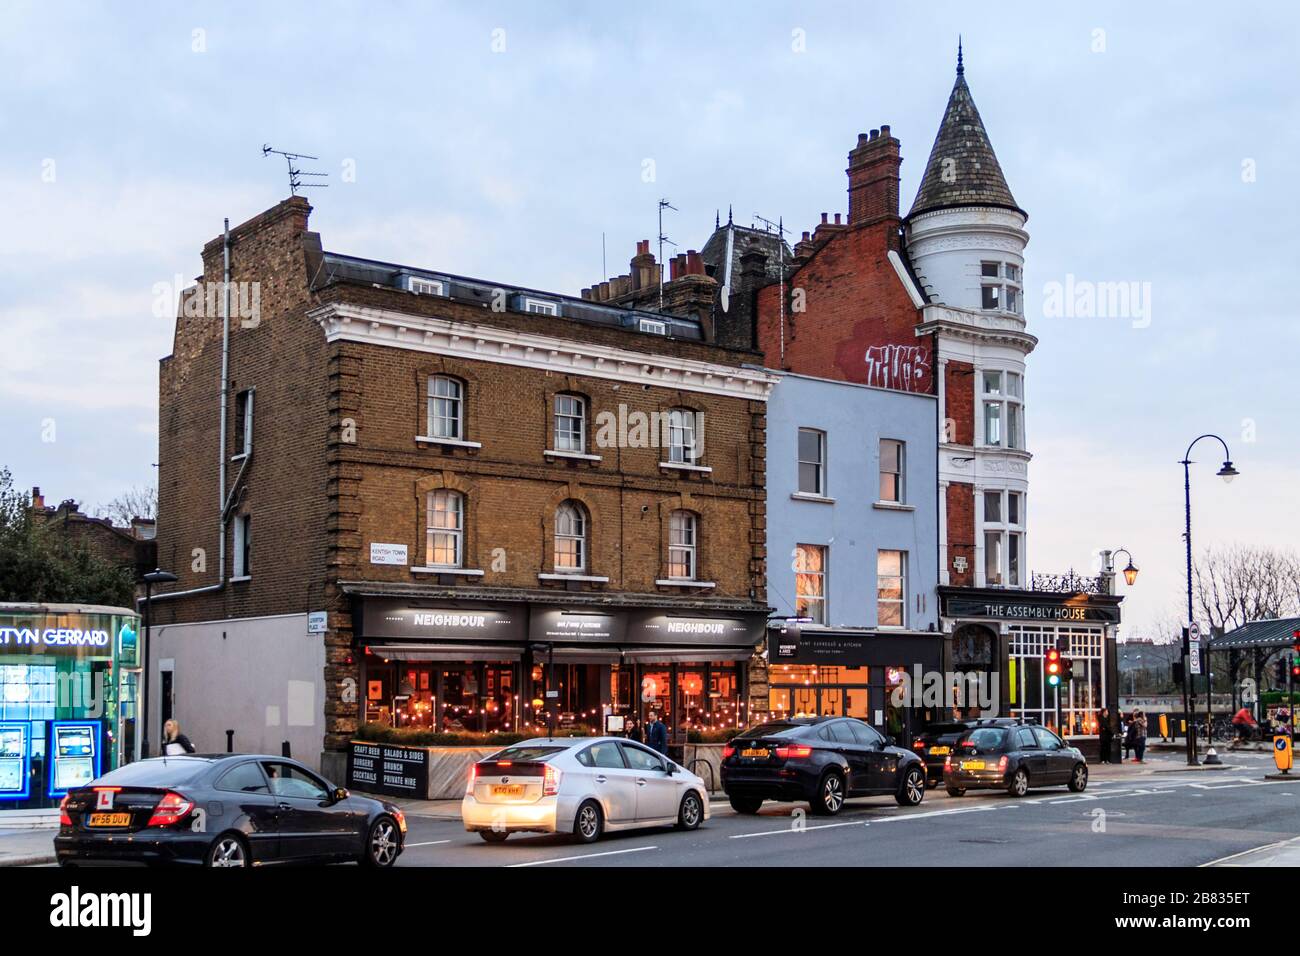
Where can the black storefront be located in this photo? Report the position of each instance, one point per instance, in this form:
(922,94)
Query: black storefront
(1004,635)
(479,667)
(877,676)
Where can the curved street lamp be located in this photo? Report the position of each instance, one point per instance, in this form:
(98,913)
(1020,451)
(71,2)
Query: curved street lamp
(1130,571)
(1227,473)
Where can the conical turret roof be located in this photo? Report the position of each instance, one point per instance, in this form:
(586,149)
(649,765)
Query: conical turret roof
(962,170)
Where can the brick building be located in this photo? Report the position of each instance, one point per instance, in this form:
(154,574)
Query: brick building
(129,547)
(440,498)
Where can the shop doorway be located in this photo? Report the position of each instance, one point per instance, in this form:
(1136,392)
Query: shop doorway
(974,654)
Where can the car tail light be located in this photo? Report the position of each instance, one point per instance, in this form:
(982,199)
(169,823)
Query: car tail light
(64,819)
(947,762)
(728,751)
(172,808)
(919,744)
(794,750)
(550,781)
(1002,764)
(400,817)
(473,776)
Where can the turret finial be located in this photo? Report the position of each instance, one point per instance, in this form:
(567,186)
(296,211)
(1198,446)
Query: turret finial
(961,70)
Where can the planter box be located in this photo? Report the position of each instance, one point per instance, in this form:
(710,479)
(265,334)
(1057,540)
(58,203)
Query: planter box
(417,773)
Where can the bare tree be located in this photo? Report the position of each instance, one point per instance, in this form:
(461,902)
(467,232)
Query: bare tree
(1235,585)
(138,502)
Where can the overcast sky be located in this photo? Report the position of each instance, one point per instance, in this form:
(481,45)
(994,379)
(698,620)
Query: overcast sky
(1151,143)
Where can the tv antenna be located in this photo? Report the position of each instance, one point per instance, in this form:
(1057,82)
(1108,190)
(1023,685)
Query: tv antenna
(779,228)
(296,174)
(663,204)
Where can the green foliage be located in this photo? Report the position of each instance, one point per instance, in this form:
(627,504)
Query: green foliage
(38,566)
(423,737)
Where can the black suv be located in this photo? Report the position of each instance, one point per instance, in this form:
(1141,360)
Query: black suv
(822,760)
(1013,756)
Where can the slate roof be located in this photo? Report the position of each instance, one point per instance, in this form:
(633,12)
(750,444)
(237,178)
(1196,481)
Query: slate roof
(973,177)
(1262,634)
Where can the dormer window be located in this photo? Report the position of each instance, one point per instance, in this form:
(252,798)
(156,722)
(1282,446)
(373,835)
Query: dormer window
(540,306)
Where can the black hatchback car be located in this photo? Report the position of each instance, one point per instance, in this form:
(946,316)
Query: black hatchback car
(1014,758)
(936,741)
(224,810)
(823,760)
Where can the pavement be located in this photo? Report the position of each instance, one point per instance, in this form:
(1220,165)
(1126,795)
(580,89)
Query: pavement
(1161,812)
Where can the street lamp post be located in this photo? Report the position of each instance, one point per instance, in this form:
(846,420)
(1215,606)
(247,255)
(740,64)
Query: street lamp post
(156,576)
(1130,573)
(1227,473)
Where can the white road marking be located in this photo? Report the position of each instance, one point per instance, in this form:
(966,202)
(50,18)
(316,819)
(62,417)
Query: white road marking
(430,843)
(585,856)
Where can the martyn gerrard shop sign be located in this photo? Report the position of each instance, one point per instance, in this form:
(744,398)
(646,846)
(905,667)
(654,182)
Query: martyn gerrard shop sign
(54,640)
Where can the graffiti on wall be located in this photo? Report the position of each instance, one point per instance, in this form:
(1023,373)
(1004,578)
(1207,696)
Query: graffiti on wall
(902,367)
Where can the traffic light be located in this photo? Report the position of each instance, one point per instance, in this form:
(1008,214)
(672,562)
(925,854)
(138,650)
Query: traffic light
(1067,669)
(1295,654)
(1052,667)
(1279,672)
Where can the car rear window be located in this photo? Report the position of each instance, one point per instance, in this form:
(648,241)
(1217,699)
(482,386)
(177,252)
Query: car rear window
(774,729)
(157,772)
(986,738)
(939,730)
(534,752)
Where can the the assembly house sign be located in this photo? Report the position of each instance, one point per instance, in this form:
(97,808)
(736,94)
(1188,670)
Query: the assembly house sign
(1065,611)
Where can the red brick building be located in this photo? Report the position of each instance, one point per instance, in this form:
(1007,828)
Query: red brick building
(441,498)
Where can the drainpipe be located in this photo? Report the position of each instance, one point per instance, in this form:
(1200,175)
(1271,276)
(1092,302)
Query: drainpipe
(221,434)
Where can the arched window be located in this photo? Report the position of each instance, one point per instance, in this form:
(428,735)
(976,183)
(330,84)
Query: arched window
(570,423)
(682,538)
(683,447)
(446,408)
(445,529)
(570,538)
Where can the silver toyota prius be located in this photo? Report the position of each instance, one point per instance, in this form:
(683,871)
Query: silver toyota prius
(579,785)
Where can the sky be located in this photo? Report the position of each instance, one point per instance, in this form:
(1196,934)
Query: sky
(1150,143)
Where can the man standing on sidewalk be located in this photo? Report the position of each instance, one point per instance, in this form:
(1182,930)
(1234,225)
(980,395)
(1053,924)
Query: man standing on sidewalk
(1104,734)
(656,733)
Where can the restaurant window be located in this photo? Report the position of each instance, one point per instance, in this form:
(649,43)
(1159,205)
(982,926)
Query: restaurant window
(243,546)
(812,462)
(446,408)
(891,470)
(570,538)
(444,533)
(810,582)
(1080,699)
(809,690)
(682,449)
(682,529)
(570,424)
(891,588)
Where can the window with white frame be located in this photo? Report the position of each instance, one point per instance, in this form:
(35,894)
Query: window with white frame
(1003,396)
(570,423)
(682,448)
(444,529)
(244,422)
(682,529)
(1004,538)
(810,582)
(541,307)
(1029,695)
(243,546)
(812,462)
(891,588)
(570,538)
(446,408)
(1001,287)
(891,470)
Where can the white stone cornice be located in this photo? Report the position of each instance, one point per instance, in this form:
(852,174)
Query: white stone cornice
(981,327)
(488,343)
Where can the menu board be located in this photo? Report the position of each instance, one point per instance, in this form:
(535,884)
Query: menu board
(15,762)
(74,755)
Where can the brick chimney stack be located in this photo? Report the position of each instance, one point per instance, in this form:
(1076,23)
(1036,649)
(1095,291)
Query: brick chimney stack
(873,177)
(644,272)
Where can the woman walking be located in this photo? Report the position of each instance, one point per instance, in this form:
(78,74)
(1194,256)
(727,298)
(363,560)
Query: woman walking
(1139,735)
(175,743)
(1104,734)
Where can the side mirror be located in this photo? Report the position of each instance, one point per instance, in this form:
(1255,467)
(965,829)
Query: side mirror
(340,794)
(669,767)
(891,742)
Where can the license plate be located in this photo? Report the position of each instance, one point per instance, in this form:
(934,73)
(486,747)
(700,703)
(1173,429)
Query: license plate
(508,790)
(110,819)
(756,752)
(939,751)
(972,765)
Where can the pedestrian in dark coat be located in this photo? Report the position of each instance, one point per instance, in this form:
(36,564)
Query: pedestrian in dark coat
(634,731)
(1105,734)
(656,734)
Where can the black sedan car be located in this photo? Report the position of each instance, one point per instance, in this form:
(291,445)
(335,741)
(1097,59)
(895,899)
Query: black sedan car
(1013,758)
(936,742)
(223,810)
(823,760)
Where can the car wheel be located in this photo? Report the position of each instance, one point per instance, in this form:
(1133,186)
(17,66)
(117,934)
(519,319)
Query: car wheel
(912,791)
(1079,778)
(588,824)
(382,844)
(1019,785)
(830,795)
(956,791)
(691,812)
(227,850)
(745,805)
(494,836)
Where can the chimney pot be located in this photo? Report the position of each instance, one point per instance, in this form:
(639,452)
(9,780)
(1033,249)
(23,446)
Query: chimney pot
(875,133)
(824,218)
(862,139)
(837,219)
(884,130)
